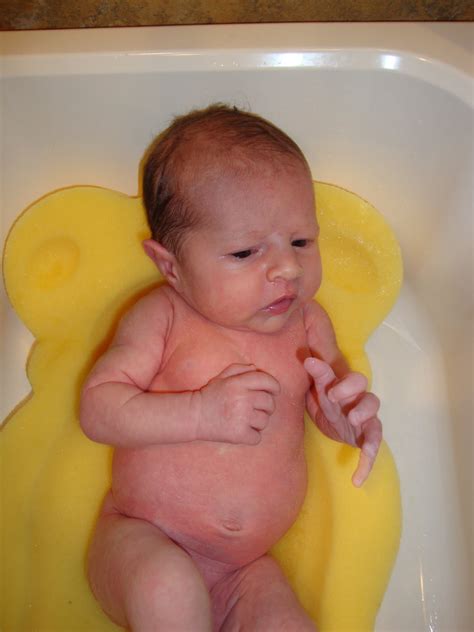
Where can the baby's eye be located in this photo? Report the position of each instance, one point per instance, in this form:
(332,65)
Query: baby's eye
(300,243)
(242,254)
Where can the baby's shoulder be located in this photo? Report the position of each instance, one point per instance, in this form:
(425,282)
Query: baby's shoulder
(314,314)
(152,311)
(318,325)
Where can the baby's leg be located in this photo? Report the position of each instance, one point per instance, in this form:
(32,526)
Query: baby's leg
(143,581)
(258,598)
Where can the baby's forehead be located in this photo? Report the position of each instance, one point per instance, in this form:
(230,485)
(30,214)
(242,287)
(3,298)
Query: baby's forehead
(214,180)
(215,171)
(256,200)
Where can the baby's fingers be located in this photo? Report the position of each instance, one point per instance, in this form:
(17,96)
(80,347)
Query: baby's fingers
(364,410)
(369,450)
(323,376)
(259,381)
(349,387)
(363,470)
(321,372)
(263,402)
(236,369)
(259,420)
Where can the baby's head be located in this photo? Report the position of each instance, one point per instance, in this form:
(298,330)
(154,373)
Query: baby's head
(194,151)
(228,190)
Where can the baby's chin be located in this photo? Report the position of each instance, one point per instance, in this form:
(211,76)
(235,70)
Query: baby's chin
(261,322)
(271,324)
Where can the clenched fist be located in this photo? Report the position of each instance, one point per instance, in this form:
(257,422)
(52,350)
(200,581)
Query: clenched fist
(236,405)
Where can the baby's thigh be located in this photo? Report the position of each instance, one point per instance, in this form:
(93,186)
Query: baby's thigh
(143,580)
(258,598)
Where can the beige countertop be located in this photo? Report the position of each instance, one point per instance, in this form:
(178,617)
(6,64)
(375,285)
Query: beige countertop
(64,14)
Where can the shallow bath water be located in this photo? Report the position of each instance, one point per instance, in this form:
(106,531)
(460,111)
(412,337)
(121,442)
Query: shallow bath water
(390,121)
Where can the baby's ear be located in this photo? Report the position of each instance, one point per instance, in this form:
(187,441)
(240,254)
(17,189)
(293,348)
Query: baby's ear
(164,260)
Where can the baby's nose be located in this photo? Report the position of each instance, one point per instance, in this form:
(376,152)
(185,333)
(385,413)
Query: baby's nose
(284,266)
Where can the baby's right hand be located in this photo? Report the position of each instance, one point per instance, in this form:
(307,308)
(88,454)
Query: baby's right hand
(235,406)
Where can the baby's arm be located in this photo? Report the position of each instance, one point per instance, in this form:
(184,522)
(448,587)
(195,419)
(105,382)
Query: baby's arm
(338,401)
(118,409)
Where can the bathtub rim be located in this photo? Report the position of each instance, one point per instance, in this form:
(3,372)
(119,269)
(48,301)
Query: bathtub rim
(440,53)
(451,42)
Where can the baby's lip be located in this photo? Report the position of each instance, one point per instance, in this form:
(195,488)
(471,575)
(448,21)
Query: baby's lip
(281,305)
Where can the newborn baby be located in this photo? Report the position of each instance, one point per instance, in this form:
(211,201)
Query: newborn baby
(203,390)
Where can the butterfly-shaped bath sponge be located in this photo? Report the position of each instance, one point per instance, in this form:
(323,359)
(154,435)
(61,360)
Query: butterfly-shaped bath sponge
(73,263)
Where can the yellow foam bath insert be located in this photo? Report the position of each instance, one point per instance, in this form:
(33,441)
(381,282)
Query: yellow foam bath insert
(73,263)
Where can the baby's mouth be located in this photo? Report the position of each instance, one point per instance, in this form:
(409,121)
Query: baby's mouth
(281,305)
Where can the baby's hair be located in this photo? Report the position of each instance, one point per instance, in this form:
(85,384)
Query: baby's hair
(219,136)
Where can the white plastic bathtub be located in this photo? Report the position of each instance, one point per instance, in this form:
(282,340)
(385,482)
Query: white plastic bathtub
(383,110)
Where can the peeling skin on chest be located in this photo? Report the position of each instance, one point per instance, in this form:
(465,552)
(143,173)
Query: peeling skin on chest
(223,449)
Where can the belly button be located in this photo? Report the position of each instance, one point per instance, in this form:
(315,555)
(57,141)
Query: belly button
(232,525)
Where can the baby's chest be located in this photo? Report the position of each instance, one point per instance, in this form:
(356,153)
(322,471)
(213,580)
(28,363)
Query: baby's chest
(194,357)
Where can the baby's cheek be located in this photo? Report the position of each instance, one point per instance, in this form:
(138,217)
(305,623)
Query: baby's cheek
(235,299)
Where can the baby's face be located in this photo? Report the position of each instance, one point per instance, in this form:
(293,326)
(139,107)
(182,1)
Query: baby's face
(254,259)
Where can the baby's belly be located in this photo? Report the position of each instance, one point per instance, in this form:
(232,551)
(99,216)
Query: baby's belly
(226,502)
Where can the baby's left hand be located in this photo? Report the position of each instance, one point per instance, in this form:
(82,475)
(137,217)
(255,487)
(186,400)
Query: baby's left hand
(345,411)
